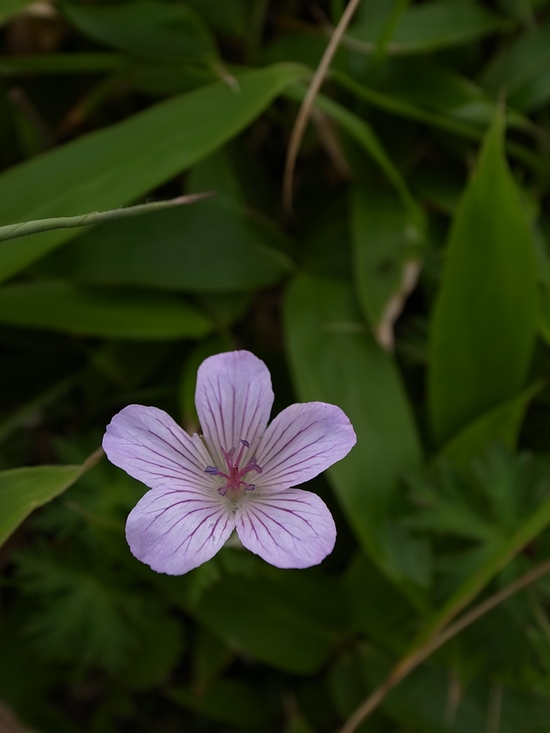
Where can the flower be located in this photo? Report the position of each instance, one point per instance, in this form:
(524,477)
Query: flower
(239,475)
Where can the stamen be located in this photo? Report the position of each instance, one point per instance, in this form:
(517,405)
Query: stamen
(234,476)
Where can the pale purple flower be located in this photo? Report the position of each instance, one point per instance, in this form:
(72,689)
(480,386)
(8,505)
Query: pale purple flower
(239,475)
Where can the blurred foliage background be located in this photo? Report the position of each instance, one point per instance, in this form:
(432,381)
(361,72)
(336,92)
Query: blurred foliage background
(409,284)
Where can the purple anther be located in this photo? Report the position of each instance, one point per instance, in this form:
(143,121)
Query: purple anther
(212,470)
(245,443)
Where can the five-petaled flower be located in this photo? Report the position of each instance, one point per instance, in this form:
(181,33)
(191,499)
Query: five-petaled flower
(239,475)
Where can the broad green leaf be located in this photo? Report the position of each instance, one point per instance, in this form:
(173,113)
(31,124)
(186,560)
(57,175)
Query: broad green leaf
(484,323)
(111,167)
(499,425)
(217,173)
(145,27)
(22,490)
(432,26)
(167,78)
(216,247)
(333,359)
(386,251)
(288,619)
(64,306)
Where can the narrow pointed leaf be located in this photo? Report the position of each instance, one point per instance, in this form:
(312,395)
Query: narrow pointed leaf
(434,25)
(483,327)
(334,359)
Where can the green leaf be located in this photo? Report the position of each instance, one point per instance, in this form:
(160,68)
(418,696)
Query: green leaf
(499,425)
(333,359)
(80,614)
(433,26)
(145,27)
(544,308)
(226,18)
(364,135)
(210,657)
(421,701)
(64,306)
(8,8)
(22,490)
(154,657)
(496,556)
(425,90)
(484,323)
(288,619)
(228,701)
(433,95)
(62,63)
(208,247)
(522,70)
(111,167)
(391,619)
(386,249)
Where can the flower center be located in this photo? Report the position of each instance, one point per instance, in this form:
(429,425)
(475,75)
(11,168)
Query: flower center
(234,475)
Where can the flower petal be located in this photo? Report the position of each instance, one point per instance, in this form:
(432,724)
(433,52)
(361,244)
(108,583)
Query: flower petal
(234,399)
(302,441)
(152,448)
(289,529)
(175,531)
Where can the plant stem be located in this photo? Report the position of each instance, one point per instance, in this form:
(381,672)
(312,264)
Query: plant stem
(307,105)
(410,662)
